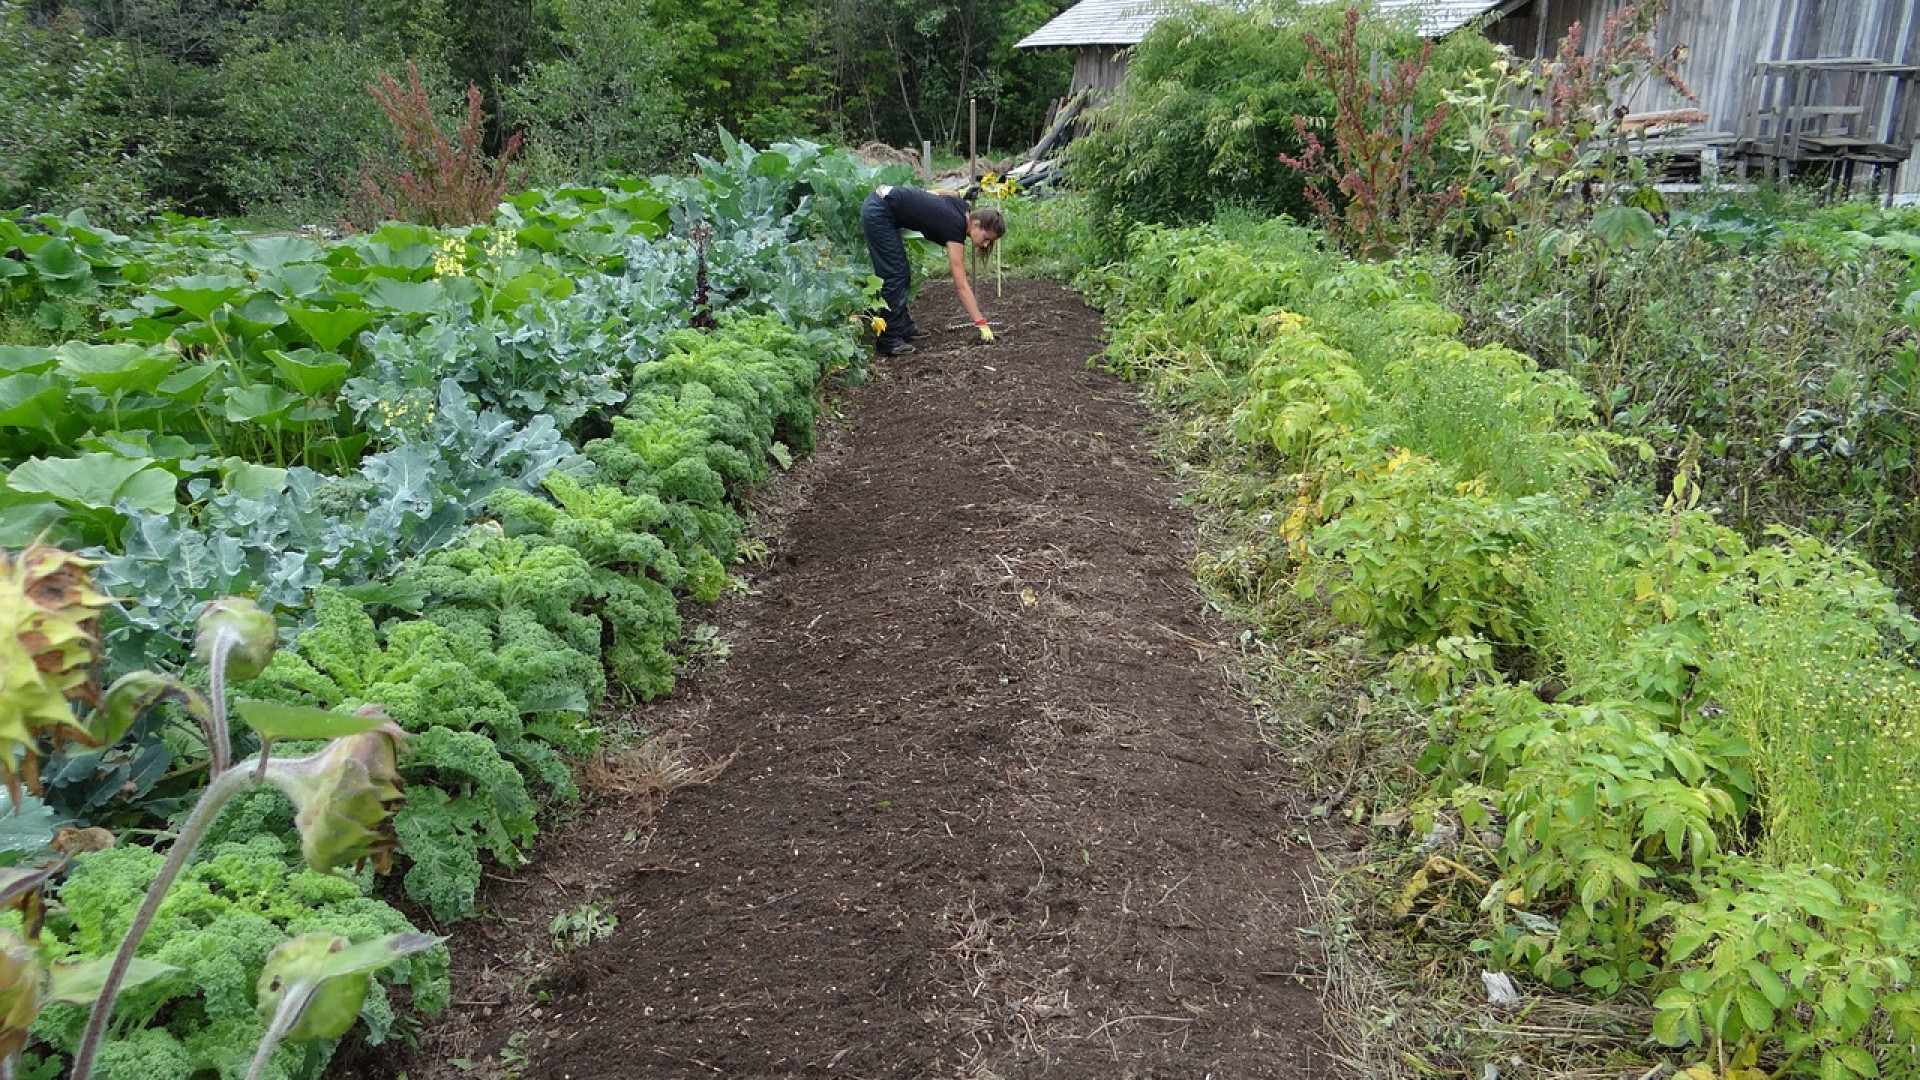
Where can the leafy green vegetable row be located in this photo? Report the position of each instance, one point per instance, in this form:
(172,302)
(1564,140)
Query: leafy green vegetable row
(539,494)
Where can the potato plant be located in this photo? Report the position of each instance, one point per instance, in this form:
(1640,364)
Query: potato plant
(1670,757)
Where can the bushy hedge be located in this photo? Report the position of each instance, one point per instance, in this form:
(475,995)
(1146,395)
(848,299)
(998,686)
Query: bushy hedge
(1210,104)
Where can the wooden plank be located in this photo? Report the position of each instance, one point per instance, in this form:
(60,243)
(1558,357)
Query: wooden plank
(1817,110)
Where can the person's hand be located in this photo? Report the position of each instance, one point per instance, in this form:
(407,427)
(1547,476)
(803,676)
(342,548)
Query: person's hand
(986,332)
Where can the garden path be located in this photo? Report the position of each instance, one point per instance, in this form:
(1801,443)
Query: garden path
(991,806)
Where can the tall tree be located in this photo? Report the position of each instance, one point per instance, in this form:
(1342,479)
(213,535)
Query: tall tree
(295,114)
(598,95)
(906,71)
(754,69)
(67,137)
(493,40)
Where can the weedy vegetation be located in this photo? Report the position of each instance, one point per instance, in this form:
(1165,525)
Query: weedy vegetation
(1659,762)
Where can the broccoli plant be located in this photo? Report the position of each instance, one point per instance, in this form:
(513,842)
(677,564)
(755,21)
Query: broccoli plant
(344,795)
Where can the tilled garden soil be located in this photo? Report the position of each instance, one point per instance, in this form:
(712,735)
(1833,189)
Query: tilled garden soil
(990,805)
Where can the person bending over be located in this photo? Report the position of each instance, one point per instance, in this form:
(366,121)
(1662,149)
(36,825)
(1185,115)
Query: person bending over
(942,218)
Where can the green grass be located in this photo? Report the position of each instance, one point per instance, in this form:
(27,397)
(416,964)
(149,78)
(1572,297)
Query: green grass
(1047,236)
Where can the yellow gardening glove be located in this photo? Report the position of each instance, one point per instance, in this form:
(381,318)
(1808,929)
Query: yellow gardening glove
(986,334)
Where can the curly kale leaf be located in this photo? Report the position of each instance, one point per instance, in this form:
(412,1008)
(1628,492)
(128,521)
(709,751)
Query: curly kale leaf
(670,497)
(144,1054)
(645,618)
(217,925)
(444,860)
(341,662)
(703,438)
(522,616)
(764,367)
(464,800)
(551,582)
(609,528)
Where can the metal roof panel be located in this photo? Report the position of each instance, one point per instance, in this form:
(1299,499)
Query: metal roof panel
(1100,22)
(1125,22)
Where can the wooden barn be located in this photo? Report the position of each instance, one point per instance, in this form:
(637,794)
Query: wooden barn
(1786,85)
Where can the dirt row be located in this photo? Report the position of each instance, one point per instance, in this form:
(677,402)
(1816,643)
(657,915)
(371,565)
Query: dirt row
(971,795)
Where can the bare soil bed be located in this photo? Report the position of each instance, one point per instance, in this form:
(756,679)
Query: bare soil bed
(984,799)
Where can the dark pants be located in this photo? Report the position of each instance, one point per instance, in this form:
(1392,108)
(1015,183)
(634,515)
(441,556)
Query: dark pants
(889,256)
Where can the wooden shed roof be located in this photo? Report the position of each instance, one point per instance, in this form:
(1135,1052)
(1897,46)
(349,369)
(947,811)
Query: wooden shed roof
(1125,22)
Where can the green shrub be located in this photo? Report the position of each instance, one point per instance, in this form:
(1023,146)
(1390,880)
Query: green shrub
(1304,396)
(1810,959)
(1791,364)
(296,120)
(1490,412)
(1211,99)
(599,101)
(69,137)
(1602,806)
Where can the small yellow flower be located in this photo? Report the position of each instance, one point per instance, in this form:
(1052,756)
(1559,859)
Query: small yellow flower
(877,324)
(502,244)
(450,258)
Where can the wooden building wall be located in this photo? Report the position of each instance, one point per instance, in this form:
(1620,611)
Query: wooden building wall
(1102,67)
(1725,37)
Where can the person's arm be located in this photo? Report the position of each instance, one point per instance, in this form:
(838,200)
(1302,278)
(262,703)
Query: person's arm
(957,261)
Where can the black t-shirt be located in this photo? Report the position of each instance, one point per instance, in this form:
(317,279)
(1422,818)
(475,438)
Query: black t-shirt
(940,218)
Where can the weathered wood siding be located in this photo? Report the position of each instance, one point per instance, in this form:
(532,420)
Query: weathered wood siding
(1724,38)
(1102,67)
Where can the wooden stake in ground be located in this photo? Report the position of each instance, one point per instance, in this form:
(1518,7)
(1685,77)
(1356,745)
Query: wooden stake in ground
(973,175)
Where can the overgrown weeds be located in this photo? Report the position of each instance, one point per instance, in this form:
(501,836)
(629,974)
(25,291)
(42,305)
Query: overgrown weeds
(1793,365)
(1365,187)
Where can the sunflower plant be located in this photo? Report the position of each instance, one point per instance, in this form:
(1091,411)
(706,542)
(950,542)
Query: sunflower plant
(344,795)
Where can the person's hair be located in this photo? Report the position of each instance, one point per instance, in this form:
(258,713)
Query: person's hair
(991,220)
